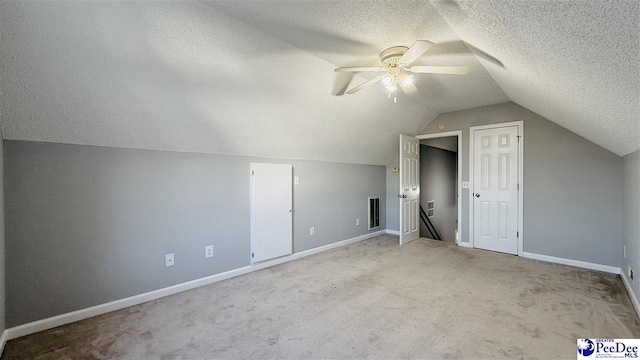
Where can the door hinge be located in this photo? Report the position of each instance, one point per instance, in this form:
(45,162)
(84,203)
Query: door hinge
(519,136)
(252,256)
(253,172)
(518,187)
(517,234)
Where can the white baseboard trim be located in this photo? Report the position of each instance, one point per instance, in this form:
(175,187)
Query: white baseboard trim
(465,244)
(632,295)
(63,319)
(3,341)
(576,263)
(393,232)
(330,246)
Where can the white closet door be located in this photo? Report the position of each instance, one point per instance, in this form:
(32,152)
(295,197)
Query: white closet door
(271,211)
(495,189)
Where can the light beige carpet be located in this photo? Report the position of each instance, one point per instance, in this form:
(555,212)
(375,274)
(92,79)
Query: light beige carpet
(373,299)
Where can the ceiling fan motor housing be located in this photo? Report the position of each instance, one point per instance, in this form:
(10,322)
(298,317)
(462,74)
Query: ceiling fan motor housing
(389,57)
(399,75)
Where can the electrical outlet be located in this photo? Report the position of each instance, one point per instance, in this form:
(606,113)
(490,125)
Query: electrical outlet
(631,273)
(358,222)
(208,251)
(296,180)
(168,260)
(312,231)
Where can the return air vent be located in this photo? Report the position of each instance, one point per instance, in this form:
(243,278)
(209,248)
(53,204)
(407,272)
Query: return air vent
(374,213)
(431,208)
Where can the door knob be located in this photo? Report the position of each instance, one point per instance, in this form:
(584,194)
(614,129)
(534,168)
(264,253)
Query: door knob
(477,194)
(404,196)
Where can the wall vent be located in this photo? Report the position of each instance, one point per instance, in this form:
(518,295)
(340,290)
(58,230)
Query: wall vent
(431,208)
(374,213)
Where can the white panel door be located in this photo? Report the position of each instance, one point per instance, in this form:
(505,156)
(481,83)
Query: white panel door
(495,189)
(409,189)
(271,211)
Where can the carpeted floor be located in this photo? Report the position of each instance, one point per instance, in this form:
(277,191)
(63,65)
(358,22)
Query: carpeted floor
(372,299)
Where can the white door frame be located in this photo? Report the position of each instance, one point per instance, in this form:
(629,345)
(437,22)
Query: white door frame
(520,125)
(458,134)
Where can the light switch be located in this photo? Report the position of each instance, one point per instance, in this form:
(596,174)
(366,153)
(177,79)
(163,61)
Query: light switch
(296,180)
(465,184)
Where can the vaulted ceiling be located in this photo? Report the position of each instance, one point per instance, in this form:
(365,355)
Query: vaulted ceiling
(574,62)
(256,77)
(349,33)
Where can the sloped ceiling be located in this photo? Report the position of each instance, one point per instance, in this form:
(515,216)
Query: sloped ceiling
(256,77)
(349,33)
(185,76)
(574,62)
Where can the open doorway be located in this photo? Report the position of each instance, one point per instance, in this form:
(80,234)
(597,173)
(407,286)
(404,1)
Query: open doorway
(440,186)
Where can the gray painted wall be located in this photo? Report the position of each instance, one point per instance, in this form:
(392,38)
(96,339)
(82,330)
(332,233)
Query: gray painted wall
(87,225)
(631,221)
(573,187)
(438,183)
(2,242)
(393,204)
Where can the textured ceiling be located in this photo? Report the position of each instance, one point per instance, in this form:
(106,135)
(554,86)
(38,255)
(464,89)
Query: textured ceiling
(183,77)
(348,33)
(574,62)
(256,77)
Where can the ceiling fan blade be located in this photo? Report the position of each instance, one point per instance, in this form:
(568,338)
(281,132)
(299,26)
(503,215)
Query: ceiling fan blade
(406,85)
(415,51)
(361,69)
(365,84)
(452,70)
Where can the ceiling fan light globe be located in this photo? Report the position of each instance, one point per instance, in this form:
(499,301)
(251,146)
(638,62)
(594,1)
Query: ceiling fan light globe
(407,80)
(391,88)
(387,80)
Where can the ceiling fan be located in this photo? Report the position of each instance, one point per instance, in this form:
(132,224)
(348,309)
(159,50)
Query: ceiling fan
(398,71)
